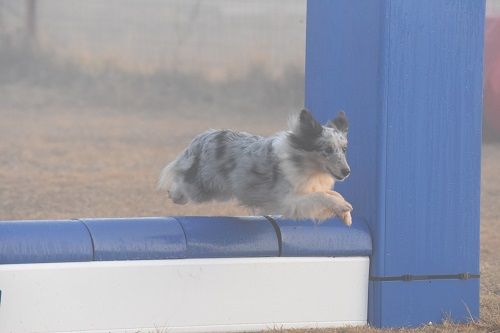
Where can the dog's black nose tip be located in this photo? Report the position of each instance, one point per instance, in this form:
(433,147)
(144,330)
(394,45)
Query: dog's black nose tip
(346,172)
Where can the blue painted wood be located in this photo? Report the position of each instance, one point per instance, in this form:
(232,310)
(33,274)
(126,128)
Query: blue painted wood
(329,239)
(416,304)
(154,238)
(44,241)
(433,99)
(409,76)
(145,238)
(342,72)
(229,237)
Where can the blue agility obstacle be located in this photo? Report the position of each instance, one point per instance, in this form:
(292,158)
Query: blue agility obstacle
(409,75)
(183,274)
(157,238)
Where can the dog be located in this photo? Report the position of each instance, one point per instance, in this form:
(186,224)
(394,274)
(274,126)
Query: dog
(291,173)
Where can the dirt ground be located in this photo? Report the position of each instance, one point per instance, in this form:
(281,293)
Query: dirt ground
(70,163)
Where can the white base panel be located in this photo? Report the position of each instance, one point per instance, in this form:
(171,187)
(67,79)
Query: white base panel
(187,295)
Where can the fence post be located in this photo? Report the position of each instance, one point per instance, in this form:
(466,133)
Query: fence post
(31,20)
(409,76)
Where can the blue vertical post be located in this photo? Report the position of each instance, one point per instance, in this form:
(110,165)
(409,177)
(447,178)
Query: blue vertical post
(409,76)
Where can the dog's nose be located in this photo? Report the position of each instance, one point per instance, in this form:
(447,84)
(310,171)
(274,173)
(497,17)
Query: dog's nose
(345,172)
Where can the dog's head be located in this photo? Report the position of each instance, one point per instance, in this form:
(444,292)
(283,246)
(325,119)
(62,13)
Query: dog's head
(321,147)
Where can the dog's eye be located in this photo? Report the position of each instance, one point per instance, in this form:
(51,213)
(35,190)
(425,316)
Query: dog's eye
(328,150)
(344,149)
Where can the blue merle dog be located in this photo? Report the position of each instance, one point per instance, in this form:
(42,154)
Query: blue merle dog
(291,173)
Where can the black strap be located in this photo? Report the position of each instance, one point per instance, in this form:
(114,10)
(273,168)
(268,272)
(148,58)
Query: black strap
(278,232)
(409,277)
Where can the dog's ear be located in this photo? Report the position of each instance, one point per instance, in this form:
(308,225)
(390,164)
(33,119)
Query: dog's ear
(304,131)
(340,122)
(307,125)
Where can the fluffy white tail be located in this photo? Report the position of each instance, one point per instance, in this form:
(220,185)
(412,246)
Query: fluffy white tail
(166,177)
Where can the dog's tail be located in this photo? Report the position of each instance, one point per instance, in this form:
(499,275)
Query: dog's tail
(167,177)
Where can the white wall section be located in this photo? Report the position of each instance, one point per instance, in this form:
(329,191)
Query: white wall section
(184,295)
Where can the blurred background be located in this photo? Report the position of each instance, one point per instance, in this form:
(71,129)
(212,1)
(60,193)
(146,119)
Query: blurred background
(492,71)
(96,96)
(153,56)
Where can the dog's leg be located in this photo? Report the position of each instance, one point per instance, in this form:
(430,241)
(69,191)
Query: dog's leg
(337,194)
(346,216)
(317,206)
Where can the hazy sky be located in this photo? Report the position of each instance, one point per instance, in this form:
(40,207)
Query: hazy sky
(216,37)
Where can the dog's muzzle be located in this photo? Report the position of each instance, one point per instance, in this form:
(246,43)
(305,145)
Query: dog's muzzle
(345,172)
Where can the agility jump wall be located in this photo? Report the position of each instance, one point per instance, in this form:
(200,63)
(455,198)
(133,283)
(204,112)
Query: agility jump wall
(409,76)
(182,274)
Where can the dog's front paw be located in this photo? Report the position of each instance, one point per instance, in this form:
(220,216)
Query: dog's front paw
(342,209)
(346,217)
